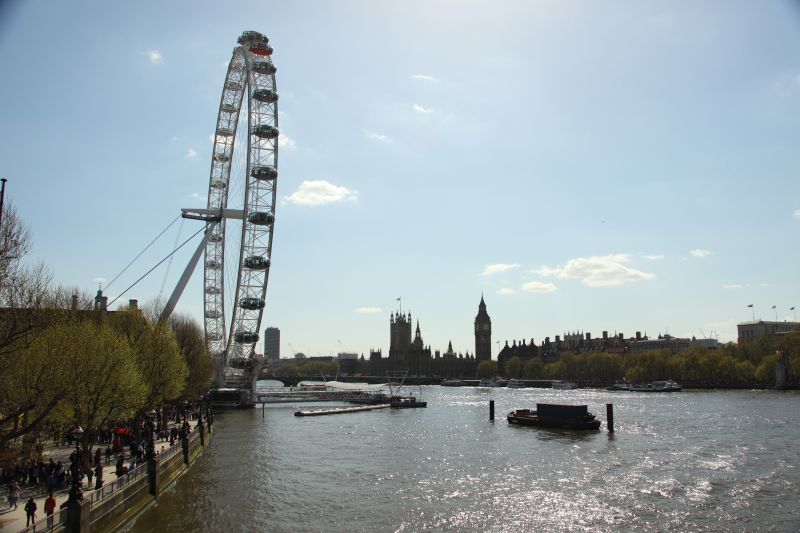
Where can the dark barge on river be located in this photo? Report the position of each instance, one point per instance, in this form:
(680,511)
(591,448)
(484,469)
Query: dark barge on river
(549,415)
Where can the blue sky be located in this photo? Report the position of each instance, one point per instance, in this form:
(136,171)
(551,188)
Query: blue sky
(615,166)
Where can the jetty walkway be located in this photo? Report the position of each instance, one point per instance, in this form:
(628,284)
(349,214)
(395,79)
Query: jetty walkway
(14,521)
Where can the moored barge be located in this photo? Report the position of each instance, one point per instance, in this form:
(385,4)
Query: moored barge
(555,416)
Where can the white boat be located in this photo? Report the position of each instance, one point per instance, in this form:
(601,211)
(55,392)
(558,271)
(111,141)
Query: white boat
(488,382)
(563,385)
(657,386)
(516,384)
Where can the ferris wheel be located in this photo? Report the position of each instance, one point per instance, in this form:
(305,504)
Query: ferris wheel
(240,212)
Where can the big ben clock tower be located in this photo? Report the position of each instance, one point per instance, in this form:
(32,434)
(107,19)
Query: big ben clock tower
(483,334)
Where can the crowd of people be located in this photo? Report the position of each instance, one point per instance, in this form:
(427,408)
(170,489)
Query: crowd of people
(93,449)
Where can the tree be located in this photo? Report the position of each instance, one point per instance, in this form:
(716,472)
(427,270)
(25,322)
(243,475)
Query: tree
(157,355)
(487,369)
(514,367)
(194,351)
(25,291)
(534,369)
(104,381)
(31,387)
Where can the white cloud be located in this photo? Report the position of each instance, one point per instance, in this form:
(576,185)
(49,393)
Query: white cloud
(368,310)
(419,109)
(155,57)
(285,142)
(654,257)
(378,136)
(320,192)
(733,286)
(538,286)
(700,252)
(498,267)
(195,195)
(506,291)
(796,213)
(597,271)
(423,77)
(190,154)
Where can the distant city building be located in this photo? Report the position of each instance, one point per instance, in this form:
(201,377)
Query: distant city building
(550,351)
(272,344)
(483,333)
(758,328)
(346,355)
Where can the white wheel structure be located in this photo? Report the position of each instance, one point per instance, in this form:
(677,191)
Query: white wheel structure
(242,190)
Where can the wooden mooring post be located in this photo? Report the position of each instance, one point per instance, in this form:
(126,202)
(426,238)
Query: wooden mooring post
(610,417)
(491,410)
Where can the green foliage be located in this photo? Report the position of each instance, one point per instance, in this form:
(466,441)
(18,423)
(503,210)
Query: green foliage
(157,355)
(104,381)
(285,371)
(193,349)
(534,369)
(765,372)
(487,369)
(316,369)
(514,367)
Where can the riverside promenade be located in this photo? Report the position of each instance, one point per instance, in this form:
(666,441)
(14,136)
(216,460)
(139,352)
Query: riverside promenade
(14,521)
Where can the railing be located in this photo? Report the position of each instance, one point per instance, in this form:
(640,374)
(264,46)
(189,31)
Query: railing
(58,518)
(116,485)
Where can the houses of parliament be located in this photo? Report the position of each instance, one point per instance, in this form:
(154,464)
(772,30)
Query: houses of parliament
(409,352)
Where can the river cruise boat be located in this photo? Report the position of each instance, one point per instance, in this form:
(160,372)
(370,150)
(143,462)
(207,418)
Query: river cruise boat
(452,383)
(516,384)
(563,385)
(620,386)
(406,402)
(657,386)
(555,416)
(488,382)
(397,399)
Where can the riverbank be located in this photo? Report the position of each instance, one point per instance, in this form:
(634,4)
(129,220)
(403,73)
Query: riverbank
(120,499)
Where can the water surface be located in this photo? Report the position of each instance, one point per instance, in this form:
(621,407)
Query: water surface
(689,461)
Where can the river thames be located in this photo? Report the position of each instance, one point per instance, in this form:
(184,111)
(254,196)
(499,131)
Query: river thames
(688,461)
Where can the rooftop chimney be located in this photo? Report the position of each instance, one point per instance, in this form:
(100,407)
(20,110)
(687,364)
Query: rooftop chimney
(74,302)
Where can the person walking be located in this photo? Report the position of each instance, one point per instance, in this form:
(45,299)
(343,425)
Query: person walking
(49,509)
(30,512)
(13,495)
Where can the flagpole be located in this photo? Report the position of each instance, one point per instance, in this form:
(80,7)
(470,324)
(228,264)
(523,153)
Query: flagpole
(795,313)
(775,307)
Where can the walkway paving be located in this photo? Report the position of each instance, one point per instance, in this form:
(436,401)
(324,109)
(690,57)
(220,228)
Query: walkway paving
(13,521)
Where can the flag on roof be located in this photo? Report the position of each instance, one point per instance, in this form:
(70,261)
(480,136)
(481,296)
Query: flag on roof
(749,305)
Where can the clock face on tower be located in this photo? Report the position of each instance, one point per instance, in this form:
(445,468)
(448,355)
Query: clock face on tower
(485,327)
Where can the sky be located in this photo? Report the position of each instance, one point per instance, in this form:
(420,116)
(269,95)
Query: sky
(583,166)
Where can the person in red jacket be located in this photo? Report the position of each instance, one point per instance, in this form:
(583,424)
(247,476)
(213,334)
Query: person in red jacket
(49,508)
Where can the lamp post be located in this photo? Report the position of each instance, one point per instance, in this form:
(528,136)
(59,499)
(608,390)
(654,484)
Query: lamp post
(150,450)
(75,493)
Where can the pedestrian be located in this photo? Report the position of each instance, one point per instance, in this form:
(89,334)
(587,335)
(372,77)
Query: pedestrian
(89,474)
(98,476)
(97,456)
(49,509)
(13,495)
(108,455)
(30,512)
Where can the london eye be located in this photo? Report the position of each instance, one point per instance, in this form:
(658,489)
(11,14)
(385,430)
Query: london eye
(240,211)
